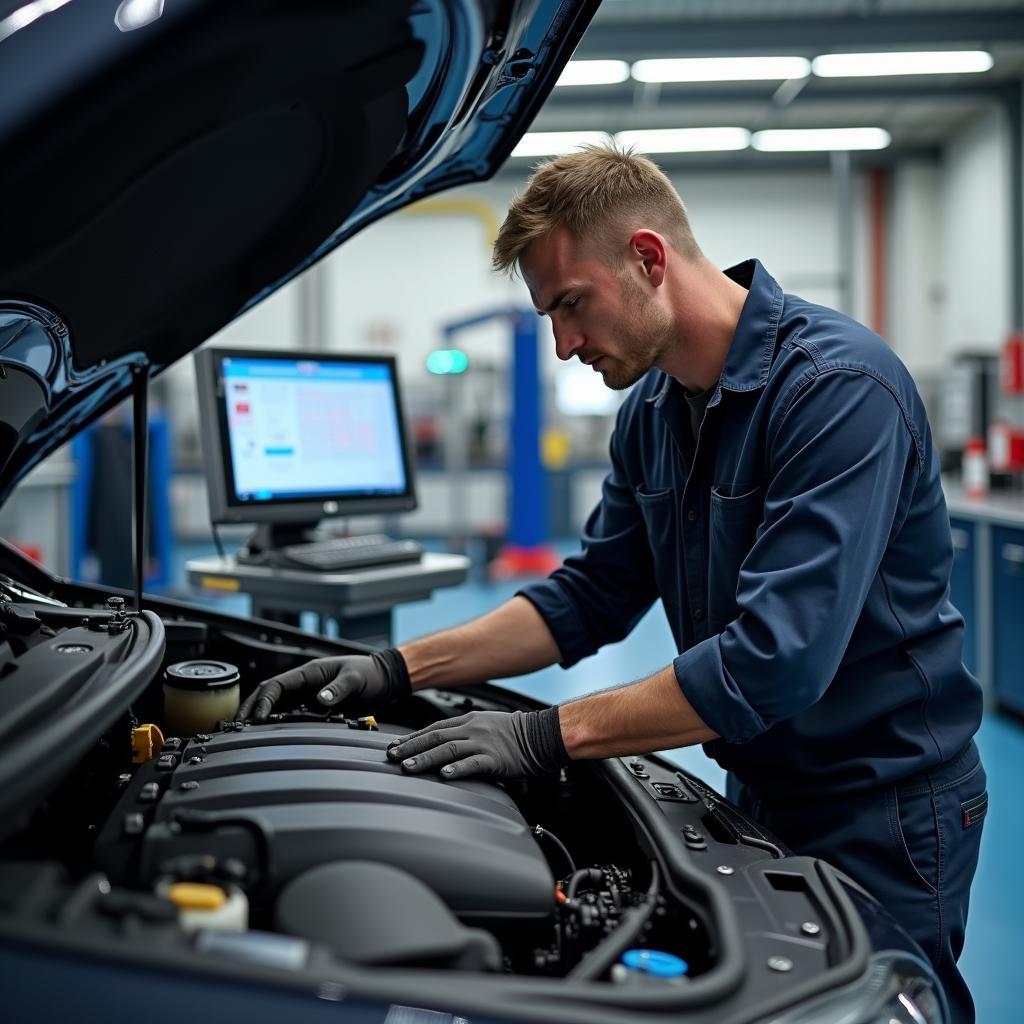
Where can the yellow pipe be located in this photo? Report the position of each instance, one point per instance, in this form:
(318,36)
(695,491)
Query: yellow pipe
(477,208)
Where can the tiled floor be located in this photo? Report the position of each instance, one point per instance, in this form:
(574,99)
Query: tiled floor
(995,934)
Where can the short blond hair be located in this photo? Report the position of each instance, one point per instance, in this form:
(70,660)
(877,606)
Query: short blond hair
(601,194)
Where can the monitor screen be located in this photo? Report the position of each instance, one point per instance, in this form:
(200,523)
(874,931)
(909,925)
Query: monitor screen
(303,435)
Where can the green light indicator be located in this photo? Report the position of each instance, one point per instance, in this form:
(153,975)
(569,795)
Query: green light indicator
(447,360)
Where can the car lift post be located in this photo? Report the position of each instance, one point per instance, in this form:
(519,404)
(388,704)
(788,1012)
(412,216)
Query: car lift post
(526,549)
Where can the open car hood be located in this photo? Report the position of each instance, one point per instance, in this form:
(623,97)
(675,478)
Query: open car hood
(167,164)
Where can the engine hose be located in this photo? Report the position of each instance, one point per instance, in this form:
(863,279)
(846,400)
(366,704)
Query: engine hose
(608,951)
(189,820)
(543,833)
(591,875)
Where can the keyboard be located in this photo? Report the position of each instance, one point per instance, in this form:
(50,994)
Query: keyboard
(338,554)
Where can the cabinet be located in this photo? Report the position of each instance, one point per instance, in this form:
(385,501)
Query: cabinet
(987,586)
(962,587)
(1008,615)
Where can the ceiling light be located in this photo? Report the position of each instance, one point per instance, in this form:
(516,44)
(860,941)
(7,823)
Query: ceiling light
(26,14)
(556,143)
(685,140)
(133,14)
(939,62)
(721,69)
(594,72)
(792,140)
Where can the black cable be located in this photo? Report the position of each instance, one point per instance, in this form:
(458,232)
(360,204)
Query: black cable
(216,541)
(608,951)
(543,833)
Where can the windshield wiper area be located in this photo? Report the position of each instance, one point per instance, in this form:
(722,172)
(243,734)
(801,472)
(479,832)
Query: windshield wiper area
(11,590)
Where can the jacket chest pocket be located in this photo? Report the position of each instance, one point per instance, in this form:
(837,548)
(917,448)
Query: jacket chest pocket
(658,507)
(732,531)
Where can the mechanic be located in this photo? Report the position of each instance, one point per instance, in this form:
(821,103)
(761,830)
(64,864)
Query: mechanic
(774,481)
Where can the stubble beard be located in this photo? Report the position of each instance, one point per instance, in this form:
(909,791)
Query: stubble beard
(644,337)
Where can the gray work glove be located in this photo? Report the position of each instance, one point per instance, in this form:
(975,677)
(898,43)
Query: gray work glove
(381,676)
(497,744)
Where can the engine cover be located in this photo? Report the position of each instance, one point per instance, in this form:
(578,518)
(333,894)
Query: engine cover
(284,798)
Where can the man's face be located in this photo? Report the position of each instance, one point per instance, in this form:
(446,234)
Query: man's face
(601,315)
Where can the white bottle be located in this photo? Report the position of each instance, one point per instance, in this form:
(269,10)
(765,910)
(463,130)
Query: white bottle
(975,470)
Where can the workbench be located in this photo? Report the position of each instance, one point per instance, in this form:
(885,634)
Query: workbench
(360,601)
(987,587)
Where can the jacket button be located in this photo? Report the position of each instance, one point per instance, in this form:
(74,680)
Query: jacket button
(691,515)
(699,614)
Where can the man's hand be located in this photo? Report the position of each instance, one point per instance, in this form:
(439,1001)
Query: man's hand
(380,676)
(497,744)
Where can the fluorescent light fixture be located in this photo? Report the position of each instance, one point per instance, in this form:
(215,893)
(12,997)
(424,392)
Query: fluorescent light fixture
(556,143)
(594,72)
(721,69)
(937,62)
(798,140)
(26,14)
(685,140)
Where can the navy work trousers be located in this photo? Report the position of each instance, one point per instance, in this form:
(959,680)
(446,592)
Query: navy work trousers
(913,846)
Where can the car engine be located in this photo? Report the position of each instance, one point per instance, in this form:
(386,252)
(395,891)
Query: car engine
(286,799)
(293,851)
(306,823)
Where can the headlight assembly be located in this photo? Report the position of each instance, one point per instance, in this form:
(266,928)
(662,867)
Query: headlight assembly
(897,989)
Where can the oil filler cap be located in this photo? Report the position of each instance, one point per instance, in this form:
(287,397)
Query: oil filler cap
(655,962)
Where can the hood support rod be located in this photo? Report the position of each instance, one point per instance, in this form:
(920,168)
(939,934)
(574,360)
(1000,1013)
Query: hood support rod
(140,448)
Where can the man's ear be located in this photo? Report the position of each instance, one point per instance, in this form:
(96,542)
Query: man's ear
(651,250)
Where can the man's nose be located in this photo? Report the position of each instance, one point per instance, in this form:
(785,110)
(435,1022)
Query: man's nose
(567,341)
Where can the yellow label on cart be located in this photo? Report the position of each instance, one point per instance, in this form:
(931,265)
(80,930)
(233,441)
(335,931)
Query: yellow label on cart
(218,583)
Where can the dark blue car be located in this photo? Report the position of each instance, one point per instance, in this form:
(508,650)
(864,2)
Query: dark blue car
(165,165)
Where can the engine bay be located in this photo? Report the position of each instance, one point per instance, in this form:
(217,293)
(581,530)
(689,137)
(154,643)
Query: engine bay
(296,846)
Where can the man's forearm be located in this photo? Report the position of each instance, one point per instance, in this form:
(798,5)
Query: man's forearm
(652,714)
(510,641)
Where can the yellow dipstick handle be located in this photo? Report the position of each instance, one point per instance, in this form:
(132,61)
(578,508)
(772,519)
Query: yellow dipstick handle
(146,742)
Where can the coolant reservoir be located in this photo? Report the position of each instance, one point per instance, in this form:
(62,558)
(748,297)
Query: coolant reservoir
(198,695)
(207,906)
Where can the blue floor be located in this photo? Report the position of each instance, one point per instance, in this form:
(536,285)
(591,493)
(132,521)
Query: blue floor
(995,932)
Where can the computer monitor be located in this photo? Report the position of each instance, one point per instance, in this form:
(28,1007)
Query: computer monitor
(290,438)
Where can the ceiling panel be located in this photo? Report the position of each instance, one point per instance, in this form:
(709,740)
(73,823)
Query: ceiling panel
(919,111)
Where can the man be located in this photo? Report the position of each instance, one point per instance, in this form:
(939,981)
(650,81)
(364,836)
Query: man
(773,480)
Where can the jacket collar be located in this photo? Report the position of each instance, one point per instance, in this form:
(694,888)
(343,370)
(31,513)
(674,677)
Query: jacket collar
(753,343)
(750,354)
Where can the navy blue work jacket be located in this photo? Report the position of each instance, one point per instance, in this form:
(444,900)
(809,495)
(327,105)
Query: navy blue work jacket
(801,550)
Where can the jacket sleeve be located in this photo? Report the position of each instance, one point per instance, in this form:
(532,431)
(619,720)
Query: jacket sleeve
(597,596)
(842,465)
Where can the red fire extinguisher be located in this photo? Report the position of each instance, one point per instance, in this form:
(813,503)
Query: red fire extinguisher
(1011,366)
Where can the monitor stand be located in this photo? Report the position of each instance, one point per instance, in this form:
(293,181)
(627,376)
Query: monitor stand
(269,538)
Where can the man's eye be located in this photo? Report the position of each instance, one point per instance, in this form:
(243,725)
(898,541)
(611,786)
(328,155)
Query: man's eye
(571,303)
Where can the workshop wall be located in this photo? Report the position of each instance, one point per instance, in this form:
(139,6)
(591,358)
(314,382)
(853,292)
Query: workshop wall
(975,239)
(914,283)
(395,285)
(415,272)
